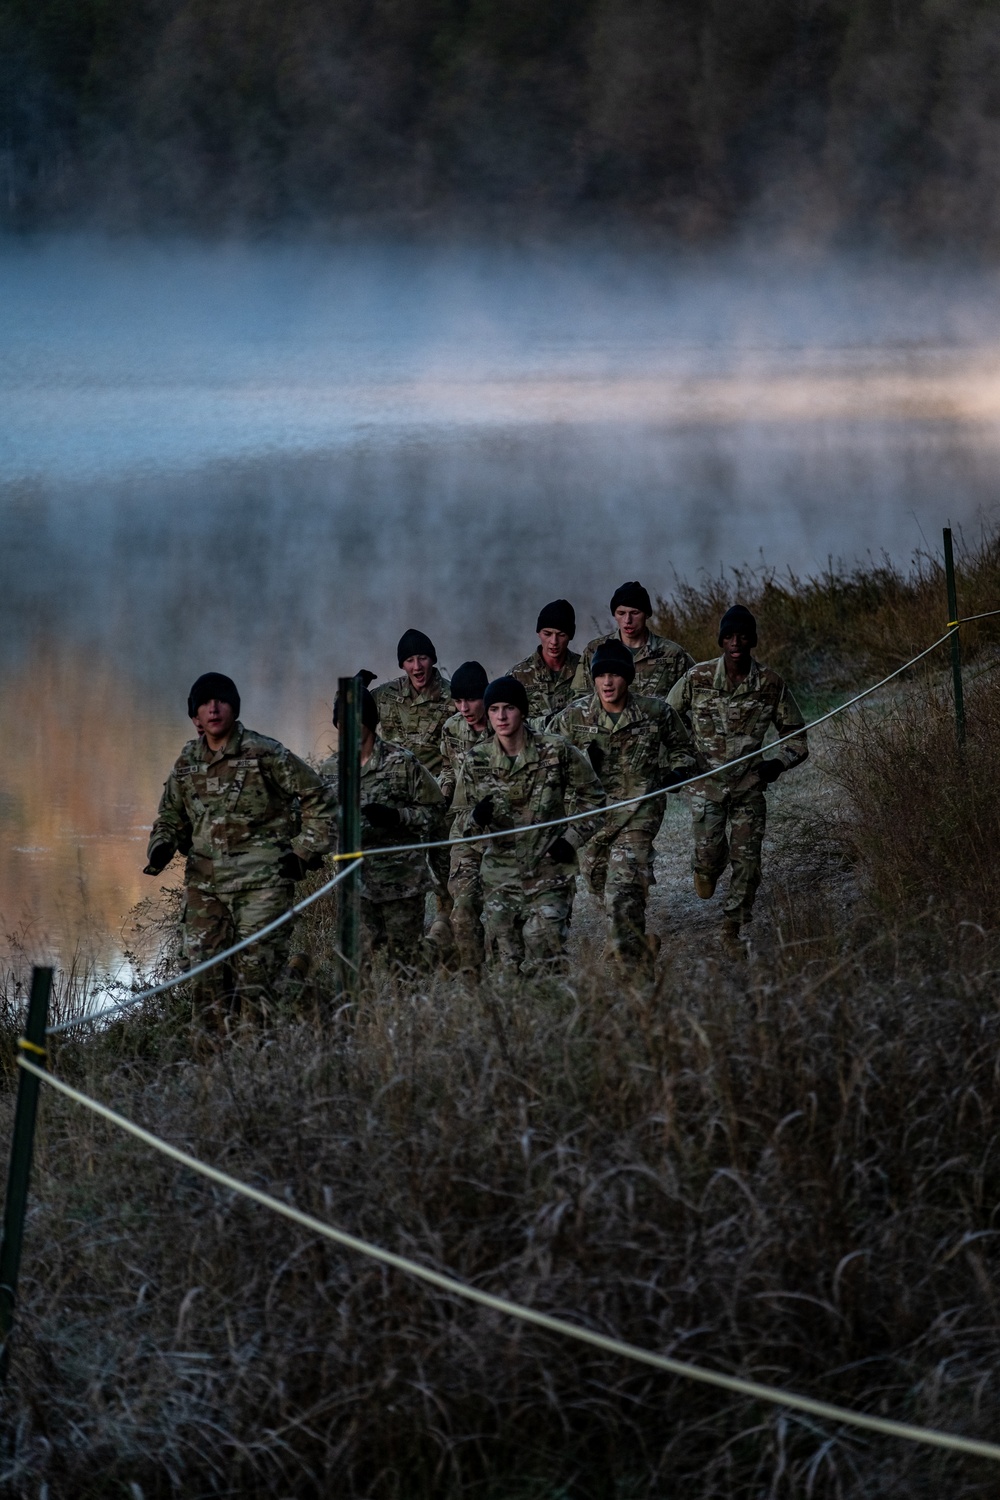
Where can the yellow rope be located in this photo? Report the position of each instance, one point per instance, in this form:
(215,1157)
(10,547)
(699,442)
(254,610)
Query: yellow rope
(735,1384)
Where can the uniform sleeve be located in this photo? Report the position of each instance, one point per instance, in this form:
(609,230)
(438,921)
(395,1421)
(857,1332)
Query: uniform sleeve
(581,677)
(172,825)
(466,796)
(449,774)
(561,724)
(329,774)
(423,814)
(679,699)
(584,793)
(317,809)
(676,749)
(386,701)
(787,719)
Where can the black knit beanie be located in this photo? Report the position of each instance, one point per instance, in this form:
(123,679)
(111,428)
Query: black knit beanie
(612,656)
(469,681)
(415,643)
(738,618)
(369,708)
(213,685)
(506,690)
(634,596)
(559,615)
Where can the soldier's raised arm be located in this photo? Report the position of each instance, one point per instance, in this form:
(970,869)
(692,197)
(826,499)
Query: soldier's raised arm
(676,748)
(679,699)
(298,781)
(584,793)
(423,814)
(171,829)
(787,719)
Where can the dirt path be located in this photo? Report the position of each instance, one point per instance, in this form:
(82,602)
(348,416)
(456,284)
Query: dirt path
(797,853)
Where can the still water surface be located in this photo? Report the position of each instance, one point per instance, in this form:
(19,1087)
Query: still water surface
(271,461)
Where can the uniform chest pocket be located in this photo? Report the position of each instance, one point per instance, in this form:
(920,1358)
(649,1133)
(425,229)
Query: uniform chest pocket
(749,716)
(706,722)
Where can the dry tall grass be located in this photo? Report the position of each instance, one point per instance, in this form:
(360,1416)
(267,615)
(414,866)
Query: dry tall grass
(839,629)
(792,1177)
(790,1173)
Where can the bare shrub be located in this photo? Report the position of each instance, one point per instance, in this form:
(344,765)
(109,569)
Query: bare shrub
(790,1177)
(926,818)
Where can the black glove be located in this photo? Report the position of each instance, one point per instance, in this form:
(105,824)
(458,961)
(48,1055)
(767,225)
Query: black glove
(290,866)
(671,780)
(596,756)
(314,862)
(159,857)
(381,816)
(769,770)
(482,813)
(561,852)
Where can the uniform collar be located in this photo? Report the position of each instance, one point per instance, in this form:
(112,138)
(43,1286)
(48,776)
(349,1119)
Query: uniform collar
(231,747)
(500,761)
(431,693)
(568,666)
(649,647)
(629,714)
(374,761)
(750,682)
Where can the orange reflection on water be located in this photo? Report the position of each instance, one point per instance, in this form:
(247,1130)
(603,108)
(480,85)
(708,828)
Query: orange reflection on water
(84,762)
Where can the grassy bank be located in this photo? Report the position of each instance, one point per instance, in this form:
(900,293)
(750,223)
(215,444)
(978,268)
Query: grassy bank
(840,630)
(787,1171)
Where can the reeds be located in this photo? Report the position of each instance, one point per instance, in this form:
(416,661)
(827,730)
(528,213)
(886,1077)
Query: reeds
(789,1172)
(791,1177)
(837,629)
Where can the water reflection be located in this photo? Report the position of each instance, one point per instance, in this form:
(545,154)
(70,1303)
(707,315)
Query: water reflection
(274,477)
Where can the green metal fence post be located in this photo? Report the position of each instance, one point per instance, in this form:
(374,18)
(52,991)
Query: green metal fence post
(21,1149)
(956,645)
(349,777)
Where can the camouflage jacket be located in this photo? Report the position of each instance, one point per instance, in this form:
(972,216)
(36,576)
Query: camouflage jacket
(658,665)
(727,722)
(396,778)
(456,738)
(645,741)
(415,720)
(548,779)
(548,691)
(235,811)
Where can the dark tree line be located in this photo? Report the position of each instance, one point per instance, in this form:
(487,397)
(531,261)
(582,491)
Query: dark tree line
(871,115)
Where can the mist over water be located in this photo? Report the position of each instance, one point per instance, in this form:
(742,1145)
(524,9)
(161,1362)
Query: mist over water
(273,460)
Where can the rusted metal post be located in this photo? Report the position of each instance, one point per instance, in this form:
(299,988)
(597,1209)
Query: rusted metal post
(349,778)
(956,645)
(32,1044)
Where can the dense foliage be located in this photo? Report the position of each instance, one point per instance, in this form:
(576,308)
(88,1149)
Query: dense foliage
(871,115)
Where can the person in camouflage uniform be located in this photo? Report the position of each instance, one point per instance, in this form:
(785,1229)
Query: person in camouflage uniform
(659,663)
(518,778)
(252,819)
(412,712)
(470,726)
(401,803)
(637,745)
(548,673)
(729,704)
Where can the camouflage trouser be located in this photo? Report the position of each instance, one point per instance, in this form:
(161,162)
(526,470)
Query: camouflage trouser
(746,813)
(440,866)
(397,927)
(211,923)
(528,925)
(626,887)
(594,856)
(465,886)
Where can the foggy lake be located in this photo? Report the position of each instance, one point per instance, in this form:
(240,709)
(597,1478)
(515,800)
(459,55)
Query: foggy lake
(272,460)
